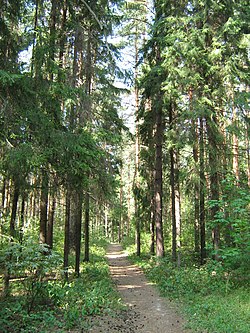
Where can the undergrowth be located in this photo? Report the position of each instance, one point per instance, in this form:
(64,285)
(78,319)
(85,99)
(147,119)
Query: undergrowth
(212,298)
(60,306)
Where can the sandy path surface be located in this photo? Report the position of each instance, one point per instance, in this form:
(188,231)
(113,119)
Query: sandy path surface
(146,312)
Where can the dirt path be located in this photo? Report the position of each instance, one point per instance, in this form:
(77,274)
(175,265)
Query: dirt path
(146,311)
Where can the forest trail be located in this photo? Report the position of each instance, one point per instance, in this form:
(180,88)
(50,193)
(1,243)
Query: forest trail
(146,312)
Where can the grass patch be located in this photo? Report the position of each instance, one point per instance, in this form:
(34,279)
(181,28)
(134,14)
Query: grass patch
(212,300)
(60,306)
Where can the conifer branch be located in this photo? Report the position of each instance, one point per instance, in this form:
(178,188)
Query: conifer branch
(93,13)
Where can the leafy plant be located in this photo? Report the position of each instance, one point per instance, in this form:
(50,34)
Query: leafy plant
(42,302)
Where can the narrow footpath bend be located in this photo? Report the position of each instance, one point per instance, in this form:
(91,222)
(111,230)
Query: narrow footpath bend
(146,312)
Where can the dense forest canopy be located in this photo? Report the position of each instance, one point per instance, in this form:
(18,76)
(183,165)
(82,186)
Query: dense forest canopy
(70,167)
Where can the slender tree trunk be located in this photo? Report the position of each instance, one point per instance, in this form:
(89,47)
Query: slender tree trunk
(196,184)
(22,218)
(235,147)
(78,231)
(106,225)
(176,212)
(202,195)
(3,199)
(175,193)
(62,34)
(53,15)
(137,153)
(14,211)
(214,183)
(6,275)
(159,131)
(152,200)
(152,226)
(86,227)
(173,216)
(195,134)
(43,208)
(66,235)
(34,37)
(129,198)
(3,194)
(120,235)
(52,210)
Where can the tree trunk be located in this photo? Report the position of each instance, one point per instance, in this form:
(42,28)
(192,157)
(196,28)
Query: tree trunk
(3,206)
(129,199)
(120,235)
(33,59)
(106,226)
(202,195)
(196,188)
(176,213)
(62,34)
(14,211)
(137,153)
(78,226)
(235,146)
(175,192)
(51,221)
(52,38)
(66,235)
(86,227)
(22,218)
(43,208)
(214,182)
(159,131)
(152,227)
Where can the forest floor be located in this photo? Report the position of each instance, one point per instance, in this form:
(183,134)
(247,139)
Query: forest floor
(146,311)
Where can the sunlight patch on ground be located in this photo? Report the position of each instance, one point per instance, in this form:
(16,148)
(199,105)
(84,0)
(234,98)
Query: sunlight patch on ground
(118,255)
(129,286)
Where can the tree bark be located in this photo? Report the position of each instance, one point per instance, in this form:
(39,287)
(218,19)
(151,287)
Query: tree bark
(78,226)
(3,206)
(159,131)
(66,235)
(86,228)
(202,195)
(175,193)
(152,227)
(51,221)
(137,153)
(121,226)
(214,182)
(22,218)
(195,130)
(53,16)
(14,211)
(176,213)
(43,209)
(235,146)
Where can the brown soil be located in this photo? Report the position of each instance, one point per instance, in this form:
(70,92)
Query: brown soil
(146,311)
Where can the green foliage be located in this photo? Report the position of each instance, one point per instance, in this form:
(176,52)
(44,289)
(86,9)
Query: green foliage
(212,298)
(129,243)
(229,313)
(31,263)
(233,220)
(56,305)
